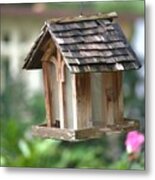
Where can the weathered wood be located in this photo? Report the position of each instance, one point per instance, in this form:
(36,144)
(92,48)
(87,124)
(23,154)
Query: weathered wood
(89,133)
(48,93)
(62,104)
(97,102)
(72,26)
(74,102)
(95,42)
(93,31)
(119,105)
(53,132)
(93,46)
(68,98)
(66,134)
(113,98)
(108,99)
(94,68)
(89,39)
(82,101)
(79,32)
(84,18)
(83,134)
(54,93)
(96,54)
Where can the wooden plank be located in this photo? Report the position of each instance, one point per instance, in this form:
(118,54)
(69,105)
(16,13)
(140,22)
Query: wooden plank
(102,61)
(48,93)
(68,98)
(84,18)
(61,89)
(81,32)
(108,96)
(55,94)
(53,132)
(96,54)
(61,105)
(112,98)
(89,133)
(89,39)
(72,26)
(93,46)
(74,102)
(66,134)
(82,101)
(97,102)
(89,68)
(118,103)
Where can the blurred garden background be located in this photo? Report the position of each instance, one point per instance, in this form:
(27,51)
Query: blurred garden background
(22,94)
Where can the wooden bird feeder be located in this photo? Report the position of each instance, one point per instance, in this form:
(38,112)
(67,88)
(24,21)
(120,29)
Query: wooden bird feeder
(83,59)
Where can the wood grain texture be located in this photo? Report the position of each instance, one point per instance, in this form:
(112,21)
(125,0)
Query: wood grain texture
(119,105)
(61,89)
(96,44)
(54,93)
(97,101)
(48,93)
(84,18)
(112,98)
(74,102)
(68,98)
(83,134)
(82,101)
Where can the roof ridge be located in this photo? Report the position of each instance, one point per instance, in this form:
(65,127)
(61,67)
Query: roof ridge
(80,18)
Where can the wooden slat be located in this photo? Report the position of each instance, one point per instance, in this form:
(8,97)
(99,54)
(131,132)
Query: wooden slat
(93,46)
(119,106)
(72,26)
(99,61)
(48,93)
(96,96)
(68,98)
(96,54)
(84,18)
(83,100)
(80,32)
(60,66)
(74,102)
(112,98)
(108,95)
(107,30)
(88,39)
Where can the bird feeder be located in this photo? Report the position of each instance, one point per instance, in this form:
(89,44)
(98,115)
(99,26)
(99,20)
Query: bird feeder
(82,60)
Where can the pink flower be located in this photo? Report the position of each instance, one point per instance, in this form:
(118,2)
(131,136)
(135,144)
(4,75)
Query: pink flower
(134,142)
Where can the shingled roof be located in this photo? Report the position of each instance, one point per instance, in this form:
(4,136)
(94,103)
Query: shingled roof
(87,44)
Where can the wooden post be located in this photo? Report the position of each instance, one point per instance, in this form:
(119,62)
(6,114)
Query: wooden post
(74,102)
(60,74)
(48,93)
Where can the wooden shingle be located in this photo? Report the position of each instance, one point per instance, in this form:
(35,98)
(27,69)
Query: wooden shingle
(87,44)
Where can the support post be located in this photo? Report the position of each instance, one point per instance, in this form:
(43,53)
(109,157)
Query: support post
(48,93)
(60,77)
